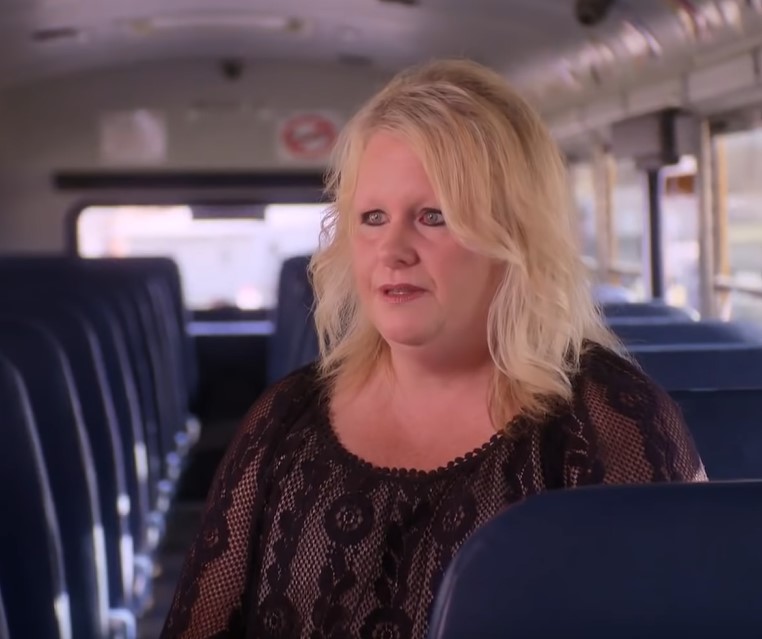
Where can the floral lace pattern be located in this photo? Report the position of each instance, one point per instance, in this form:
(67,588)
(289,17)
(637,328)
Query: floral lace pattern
(302,539)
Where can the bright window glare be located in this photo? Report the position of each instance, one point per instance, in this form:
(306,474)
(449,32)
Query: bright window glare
(223,262)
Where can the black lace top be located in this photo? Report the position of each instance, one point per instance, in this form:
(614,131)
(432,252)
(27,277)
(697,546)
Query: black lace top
(303,539)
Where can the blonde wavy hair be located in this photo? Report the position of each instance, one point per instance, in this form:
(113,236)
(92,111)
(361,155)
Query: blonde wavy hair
(502,184)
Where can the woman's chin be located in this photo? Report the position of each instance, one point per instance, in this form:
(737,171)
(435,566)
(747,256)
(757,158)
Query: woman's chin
(409,329)
(407,337)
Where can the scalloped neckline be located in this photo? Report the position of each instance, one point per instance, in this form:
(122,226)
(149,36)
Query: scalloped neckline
(394,472)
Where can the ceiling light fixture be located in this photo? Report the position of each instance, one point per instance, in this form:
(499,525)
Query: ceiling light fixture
(217,20)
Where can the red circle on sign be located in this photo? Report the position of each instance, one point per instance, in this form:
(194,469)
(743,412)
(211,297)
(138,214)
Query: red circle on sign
(309,136)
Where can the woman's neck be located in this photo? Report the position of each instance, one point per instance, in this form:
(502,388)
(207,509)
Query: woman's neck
(412,415)
(413,379)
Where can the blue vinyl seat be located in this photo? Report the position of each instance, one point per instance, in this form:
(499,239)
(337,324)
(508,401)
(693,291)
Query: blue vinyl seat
(32,570)
(659,561)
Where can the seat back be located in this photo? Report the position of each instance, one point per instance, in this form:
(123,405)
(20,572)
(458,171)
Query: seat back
(166,275)
(4,632)
(105,384)
(719,390)
(32,570)
(658,561)
(636,332)
(702,367)
(123,384)
(726,427)
(644,310)
(119,393)
(129,294)
(79,343)
(68,457)
(294,342)
(158,332)
(152,357)
(140,345)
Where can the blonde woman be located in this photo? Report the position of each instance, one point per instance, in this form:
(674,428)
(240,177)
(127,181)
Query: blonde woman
(463,367)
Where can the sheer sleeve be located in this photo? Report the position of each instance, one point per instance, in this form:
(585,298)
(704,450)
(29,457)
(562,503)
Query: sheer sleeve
(208,599)
(626,429)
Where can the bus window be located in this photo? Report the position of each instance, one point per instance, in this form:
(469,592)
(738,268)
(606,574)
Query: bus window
(227,259)
(583,191)
(630,202)
(680,245)
(679,233)
(740,259)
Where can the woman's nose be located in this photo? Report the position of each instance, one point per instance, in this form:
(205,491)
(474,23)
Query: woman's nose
(397,247)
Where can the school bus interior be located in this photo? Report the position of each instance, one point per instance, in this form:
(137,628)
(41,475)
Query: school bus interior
(161,190)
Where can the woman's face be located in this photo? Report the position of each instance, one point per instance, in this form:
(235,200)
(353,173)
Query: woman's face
(418,285)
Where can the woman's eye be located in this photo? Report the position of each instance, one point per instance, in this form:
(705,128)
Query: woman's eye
(372,218)
(433,218)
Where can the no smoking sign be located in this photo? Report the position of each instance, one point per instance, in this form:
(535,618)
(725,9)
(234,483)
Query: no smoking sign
(308,136)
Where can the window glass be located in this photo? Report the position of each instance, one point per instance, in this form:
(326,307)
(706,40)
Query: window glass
(680,241)
(228,256)
(630,206)
(743,157)
(583,192)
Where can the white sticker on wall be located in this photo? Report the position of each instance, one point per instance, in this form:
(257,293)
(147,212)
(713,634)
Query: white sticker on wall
(133,137)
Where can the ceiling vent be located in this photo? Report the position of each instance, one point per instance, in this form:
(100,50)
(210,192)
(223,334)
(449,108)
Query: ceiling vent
(56,34)
(407,3)
(355,60)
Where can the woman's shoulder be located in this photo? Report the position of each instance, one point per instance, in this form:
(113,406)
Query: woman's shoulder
(286,398)
(302,382)
(617,380)
(626,425)
(267,424)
